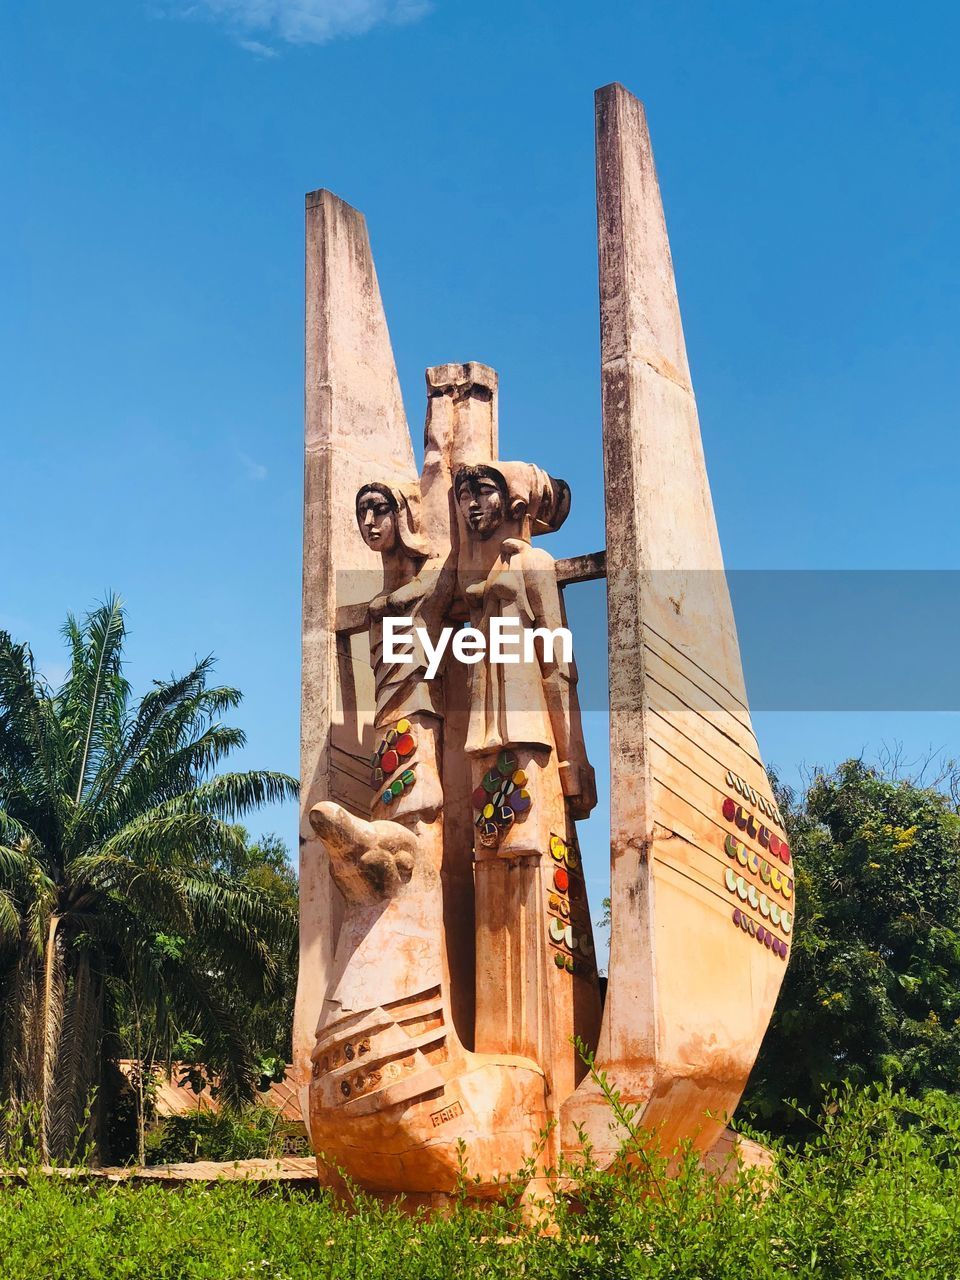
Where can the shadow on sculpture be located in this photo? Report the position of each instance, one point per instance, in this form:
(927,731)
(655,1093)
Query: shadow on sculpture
(447,955)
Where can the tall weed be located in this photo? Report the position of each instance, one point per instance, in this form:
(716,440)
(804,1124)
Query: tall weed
(876,1193)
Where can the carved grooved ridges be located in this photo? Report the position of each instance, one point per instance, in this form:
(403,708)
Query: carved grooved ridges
(689,996)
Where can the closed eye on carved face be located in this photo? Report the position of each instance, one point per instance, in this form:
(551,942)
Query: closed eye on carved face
(481,504)
(377,520)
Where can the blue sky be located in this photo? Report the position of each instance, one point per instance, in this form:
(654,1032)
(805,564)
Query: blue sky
(155,157)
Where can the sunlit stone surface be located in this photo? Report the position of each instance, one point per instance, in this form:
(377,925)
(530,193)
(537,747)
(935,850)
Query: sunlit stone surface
(447,956)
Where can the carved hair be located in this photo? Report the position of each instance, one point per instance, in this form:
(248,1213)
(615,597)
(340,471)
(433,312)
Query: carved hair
(383,490)
(404,502)
(470,477)
(527,492)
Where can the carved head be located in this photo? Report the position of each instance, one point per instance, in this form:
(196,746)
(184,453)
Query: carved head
(377,517)
(389,518)
(483,499)
(517,492)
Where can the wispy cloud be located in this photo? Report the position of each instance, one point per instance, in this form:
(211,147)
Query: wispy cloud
(300,21)
(254,470)
(257,49)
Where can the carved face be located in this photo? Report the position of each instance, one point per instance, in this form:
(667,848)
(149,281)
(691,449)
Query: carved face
(481,505)
(377,520)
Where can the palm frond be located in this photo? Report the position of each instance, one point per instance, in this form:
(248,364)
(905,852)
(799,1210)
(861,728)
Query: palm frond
(154,892)
(78,1048)
(40,902)
(51,1021)
(155,708)
(9,921)
(30,741)
(19,1039)
(195,997)
(19,704)
(93,699)
(162,771)
(32,755)
(231,795)
(168,834)
(12,830)
(239,926)
(15,865)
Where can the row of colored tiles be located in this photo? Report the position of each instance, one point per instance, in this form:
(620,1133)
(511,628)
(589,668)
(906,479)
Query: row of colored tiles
(753,830)
(359,1083)
(573,964)
(398,786)
(384,1075)
(362,1081)
(571,939)
(568,898)
(564,882)
(562,906)
(778,880)
(766,807)
(336,1057)
(563,934)
(762,935)
(567,854)
(749,893)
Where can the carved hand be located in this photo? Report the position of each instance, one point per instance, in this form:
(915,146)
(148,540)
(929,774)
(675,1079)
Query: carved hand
(398,602)
(368,860)
(579,784)
(379,606)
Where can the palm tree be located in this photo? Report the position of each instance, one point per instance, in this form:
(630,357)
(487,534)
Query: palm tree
(113,827)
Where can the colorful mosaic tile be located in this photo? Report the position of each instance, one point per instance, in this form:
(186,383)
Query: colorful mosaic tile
(394,752)
(568,927)
(396,747)
(501,799)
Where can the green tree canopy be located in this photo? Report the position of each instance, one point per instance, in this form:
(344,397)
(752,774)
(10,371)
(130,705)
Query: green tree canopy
(872,991)
(266,1016)
(118,839)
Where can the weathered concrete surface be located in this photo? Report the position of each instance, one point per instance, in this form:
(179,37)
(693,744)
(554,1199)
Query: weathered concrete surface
(355,430)
(690,994)
(446,955)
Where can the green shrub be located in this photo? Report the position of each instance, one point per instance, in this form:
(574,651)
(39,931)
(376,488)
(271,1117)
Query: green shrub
(258,1132)
(875,1194)
(872,991)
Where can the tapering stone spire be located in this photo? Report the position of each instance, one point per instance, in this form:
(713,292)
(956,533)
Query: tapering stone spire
(690,993)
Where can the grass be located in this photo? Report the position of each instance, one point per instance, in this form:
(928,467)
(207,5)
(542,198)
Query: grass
(876,1193)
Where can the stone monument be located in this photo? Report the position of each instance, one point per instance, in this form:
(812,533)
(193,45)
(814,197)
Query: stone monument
(447,962)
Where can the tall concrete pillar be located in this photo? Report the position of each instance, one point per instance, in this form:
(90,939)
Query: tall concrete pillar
(355,430)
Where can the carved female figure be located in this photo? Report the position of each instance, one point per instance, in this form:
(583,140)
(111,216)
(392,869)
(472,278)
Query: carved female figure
(387,1059)
(524,707)
(389,521)
(531,779)
(389,948)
